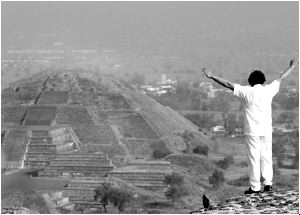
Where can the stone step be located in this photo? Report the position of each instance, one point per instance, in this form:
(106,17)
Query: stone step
(152,187)
(83,186)
(125,175)
(88,205)
(40,156)
(79,192)
(41,148)
(36,163)
(36,133)
(81,198)
(80,156)
(69,158)
(72,174)
(59,162)
(148,182)
(79,168)
(41,139)
(136,177)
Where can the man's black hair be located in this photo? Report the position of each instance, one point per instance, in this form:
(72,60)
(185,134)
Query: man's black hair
(256,77)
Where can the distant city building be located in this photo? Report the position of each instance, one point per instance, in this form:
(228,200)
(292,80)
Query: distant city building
(165,86)
(85,51)
(218,130)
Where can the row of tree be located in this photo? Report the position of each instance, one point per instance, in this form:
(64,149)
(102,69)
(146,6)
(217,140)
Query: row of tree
(119,196)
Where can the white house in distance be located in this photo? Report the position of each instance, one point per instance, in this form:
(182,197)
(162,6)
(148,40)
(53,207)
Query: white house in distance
(218,129)
(166,85)
(211,91)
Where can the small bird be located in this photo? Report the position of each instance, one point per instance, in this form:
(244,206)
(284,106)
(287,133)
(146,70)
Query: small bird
(206,203)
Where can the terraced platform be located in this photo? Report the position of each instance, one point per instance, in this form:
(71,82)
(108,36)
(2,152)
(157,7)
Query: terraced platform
(40,151)
(70,165)
(130,125)
(139,147)
(53,97)
(64,140)
(12,115)
(73,116)
(95,134)
(144,174)
(40,115)
(14,148)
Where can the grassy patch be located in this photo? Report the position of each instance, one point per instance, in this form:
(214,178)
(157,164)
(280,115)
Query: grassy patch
(198,163)
(28,199)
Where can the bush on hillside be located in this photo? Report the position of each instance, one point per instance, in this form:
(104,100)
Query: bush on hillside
(242,181)
(243,164)
(217,178)
(159,154)
(201,150)
(174,178)
(176,188)
(199,163)
(276,170)
(226,162)
(117,196)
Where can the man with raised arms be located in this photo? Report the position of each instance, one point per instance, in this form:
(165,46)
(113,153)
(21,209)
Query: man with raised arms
(257,99)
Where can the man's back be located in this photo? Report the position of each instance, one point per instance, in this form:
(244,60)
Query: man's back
(258,109)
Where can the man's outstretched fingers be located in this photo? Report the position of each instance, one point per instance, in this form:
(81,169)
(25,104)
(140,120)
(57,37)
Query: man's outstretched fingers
(294,62)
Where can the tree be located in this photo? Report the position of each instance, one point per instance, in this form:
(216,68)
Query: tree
(202,150)
(117,196)
(202,120)
(288,101)
(226,162)
(103,193)
(176,188)
(138,79)
(286,117)
(157,154)
(217,178)
(278,148)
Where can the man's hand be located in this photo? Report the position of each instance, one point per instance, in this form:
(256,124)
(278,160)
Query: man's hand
(293,62)
(206,72)
(283,75)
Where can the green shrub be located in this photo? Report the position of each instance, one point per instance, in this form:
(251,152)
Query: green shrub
(174,178)
(243,164)
(117,196)
(242,181)
(176,188)
(202,150)
(217,178)
(159,154)
(226,162)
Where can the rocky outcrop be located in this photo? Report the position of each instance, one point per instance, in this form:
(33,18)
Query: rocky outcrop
(265,203)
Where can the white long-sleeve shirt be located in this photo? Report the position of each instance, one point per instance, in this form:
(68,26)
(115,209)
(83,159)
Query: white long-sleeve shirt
(257,101)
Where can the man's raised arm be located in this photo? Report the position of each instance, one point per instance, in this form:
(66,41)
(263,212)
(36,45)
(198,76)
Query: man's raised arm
(292,66)
(219,80)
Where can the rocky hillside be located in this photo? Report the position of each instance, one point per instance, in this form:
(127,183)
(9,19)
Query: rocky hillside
(280,202)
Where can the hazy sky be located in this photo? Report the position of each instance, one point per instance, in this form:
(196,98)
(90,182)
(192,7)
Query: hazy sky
(111,18)
(35,16)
